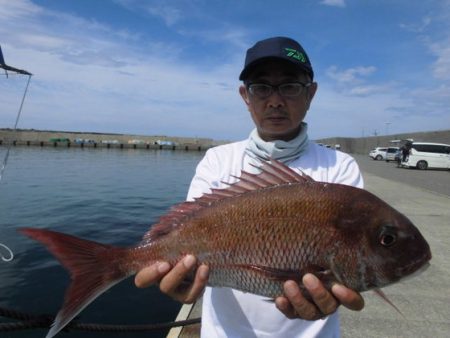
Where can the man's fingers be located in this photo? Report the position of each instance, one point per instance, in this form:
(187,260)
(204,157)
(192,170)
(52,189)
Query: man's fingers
(323,299)
(349,298)
(196,289)
(170,282)
(302,308)
(151,275)
(283,304)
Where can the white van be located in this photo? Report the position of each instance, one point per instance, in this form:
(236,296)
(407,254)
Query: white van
(425,155)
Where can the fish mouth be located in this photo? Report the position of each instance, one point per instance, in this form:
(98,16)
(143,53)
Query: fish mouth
(417,266)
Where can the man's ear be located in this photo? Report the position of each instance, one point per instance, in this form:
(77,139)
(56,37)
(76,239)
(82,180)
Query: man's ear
(312,91)
(244,94)
(310,94)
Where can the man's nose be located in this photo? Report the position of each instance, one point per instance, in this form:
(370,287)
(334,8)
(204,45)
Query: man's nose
(275,100)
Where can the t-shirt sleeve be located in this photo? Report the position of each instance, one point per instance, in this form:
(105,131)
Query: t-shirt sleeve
(349,173)
(205,178)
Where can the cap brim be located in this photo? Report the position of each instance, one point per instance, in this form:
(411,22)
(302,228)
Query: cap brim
(250,67)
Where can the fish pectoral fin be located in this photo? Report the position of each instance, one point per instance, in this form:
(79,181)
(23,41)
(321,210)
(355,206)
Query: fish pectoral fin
(269,300)
(383,296)
(271,272)
(324,275)
(287,274)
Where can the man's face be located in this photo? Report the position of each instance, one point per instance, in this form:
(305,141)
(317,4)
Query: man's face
(277,117)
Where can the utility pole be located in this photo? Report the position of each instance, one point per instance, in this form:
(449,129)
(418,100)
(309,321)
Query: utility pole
(387,127)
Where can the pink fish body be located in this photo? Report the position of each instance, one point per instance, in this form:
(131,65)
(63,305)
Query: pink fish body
(254,235)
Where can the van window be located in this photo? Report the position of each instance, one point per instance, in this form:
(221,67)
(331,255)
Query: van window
(431,148)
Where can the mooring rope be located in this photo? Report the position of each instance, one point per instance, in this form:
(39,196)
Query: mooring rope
(28,321)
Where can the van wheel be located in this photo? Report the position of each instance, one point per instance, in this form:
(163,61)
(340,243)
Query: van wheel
(422,165)
(379,157)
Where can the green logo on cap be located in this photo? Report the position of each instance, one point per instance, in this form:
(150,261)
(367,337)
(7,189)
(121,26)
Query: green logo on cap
(295,54)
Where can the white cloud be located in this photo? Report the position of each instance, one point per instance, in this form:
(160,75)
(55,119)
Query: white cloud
(158,8)
(169,14)
(333,113)
(334,3)
(350,75)
(18,9)
(365,90)
(355,81)
(417,27)
(441,50)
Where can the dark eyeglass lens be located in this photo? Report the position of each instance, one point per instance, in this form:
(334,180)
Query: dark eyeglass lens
(290,89)
(261,90)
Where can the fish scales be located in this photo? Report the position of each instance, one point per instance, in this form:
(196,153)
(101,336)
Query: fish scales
(284,227)
(254,235)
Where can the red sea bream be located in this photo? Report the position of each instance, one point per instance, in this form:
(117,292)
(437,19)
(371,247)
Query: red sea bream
(254,235)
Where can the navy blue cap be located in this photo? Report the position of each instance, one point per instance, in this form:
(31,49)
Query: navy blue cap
(277,48)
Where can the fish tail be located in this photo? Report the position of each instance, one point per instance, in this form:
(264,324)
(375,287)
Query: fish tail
(93,267)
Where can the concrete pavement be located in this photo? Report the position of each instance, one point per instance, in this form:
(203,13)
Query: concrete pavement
(424,300)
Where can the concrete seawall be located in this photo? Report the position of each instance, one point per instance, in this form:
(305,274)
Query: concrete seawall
(100,140)
(186,147)
(362,145)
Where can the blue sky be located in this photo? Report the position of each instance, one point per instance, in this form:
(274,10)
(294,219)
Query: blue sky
(171,67)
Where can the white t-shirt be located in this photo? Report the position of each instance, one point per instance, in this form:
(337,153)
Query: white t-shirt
(230,313)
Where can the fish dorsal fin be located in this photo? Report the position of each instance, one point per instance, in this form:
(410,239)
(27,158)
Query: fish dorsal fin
(272,173)
(171,220)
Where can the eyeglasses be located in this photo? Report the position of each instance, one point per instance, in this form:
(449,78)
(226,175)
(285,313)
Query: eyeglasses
(263,90)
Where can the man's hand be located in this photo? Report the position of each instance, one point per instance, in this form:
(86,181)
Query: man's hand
(294,305)
(172,280)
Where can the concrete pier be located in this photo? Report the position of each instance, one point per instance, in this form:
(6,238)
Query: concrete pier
(65,139)
(424,300)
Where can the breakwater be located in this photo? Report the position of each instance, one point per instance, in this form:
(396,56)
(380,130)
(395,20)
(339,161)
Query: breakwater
(65,144)
(100,140)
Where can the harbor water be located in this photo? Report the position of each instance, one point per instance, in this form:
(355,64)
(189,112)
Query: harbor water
(108,195)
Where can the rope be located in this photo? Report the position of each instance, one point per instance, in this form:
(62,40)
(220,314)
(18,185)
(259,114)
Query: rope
(5,160)
(29,321)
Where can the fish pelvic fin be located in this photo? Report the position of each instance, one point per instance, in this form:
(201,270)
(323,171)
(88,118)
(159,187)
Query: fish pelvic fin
(387,300)
(93,267)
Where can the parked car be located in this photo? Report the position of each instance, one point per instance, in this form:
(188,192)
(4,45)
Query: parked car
(424,155)
(391,153)
(379,153)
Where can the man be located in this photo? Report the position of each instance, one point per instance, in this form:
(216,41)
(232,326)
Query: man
(278,89)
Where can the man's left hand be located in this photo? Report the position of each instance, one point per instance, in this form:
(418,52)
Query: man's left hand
(295,305)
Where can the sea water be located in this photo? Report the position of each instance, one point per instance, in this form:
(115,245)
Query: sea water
(107,195)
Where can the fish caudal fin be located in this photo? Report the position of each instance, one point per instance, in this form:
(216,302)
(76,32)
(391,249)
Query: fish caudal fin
(93,267)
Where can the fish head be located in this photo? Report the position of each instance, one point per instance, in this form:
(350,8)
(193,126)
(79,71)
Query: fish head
(395,249)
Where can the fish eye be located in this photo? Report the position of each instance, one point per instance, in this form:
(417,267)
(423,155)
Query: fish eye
(388,239)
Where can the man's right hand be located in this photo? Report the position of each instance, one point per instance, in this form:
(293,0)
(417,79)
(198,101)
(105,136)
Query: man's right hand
(172,281)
